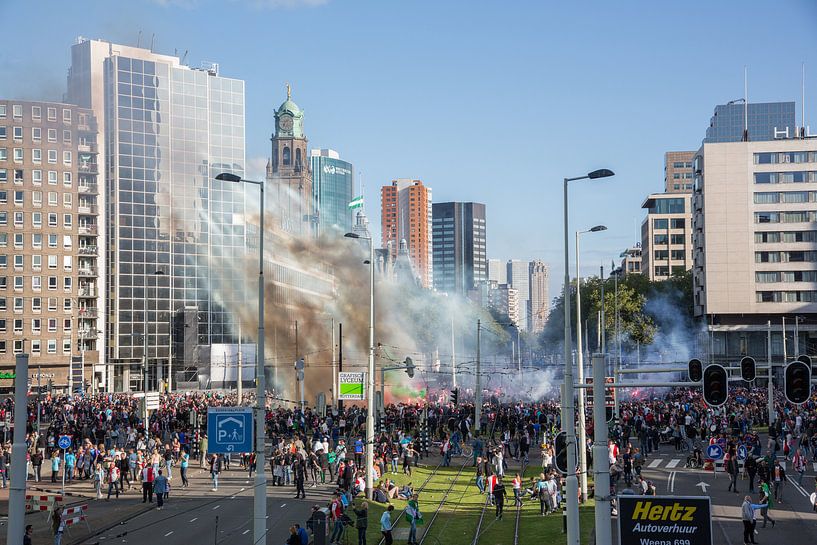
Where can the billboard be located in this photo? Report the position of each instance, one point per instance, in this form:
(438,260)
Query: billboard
(352,386)
(664,520)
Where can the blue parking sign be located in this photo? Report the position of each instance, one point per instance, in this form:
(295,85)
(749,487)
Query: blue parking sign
(229,429)
(714,452)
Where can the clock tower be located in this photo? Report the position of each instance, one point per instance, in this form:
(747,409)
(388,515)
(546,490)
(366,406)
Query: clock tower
(289,175)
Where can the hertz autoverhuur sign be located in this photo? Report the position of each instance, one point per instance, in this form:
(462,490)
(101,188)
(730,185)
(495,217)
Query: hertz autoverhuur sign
(664,520)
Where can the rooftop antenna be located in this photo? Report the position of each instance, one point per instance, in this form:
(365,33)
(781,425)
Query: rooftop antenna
(139,40)
(745,103)
(152,38)
(803,103)
(184,56)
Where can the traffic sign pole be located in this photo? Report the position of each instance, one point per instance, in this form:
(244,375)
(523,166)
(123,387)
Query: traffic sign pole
(17,487)
(64,443)
(601,454)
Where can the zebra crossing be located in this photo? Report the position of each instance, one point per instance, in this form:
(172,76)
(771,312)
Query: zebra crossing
(672,463)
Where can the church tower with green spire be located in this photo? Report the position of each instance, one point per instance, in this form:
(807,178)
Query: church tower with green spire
(289,174)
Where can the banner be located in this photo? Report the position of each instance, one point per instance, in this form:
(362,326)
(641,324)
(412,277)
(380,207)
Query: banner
(664,520)
(357,202)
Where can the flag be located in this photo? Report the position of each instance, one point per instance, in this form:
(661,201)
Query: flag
(357,202)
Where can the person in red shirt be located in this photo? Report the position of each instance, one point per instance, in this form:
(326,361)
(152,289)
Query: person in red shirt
(147,484)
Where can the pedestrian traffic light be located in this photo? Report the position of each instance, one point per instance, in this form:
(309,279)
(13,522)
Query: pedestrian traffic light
(696,370)
(748,371)
(716,385)
(409,367)
(455,396)
(560,452)
(797,382)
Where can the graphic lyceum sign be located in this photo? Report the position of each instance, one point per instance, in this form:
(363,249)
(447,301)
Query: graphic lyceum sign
(664,520)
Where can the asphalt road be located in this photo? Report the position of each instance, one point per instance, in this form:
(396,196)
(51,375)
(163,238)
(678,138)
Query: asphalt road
(206,517)
(796,522)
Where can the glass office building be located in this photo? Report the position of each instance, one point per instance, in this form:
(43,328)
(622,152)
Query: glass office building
(459,253)
(173,231)
(764,118)
(332,191)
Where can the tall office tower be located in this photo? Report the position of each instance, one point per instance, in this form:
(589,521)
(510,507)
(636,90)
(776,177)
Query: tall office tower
(332,191)
(458,241)
(539,295)
(49,292)
(666,235)
(755,244)
(766,121)
(678,171)
(406,214)
(519,279)
(289,174)
(166,131)
(497,271)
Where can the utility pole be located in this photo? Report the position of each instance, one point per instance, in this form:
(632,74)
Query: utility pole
(453,359)
(17,487)
(478,389)
(340,362)
(601,469)
(334,365)
(770,400)
(239,385)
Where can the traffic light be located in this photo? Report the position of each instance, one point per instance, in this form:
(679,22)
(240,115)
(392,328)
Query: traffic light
(716,385)
(797,382)
(409,367)
(696,370)
(748,371)
(560,452)
(455,396)
(805,359)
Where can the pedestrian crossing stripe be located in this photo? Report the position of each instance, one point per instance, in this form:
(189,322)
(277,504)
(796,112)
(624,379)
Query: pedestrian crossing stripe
(672,463)
(655,463)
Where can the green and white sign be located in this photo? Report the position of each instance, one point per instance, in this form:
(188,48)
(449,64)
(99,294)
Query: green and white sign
(351,386)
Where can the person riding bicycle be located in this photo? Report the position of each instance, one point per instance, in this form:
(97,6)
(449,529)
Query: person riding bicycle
(695,459)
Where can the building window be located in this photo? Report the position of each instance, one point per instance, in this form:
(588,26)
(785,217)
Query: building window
(35,346)
(17,110)
(66,346)
(36,134)
(52,135)
(37,156)
(18,155)
(52,156)
(66,157)
(36,113)
(18,133)
(52,346)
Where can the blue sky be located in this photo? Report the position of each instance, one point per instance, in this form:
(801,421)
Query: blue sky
(486,101)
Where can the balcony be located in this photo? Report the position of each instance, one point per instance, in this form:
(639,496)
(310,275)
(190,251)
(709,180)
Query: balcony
(87,334)
(87,229)
(88,189)
(87,313)
(87,292)
(87,250)
(88,168)
(88,209)
(87,271)
(87,148)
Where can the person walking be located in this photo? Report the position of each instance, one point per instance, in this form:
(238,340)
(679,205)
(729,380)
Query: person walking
(37,464)
(766,500)
(362,522)
(215,469)
(99,480)
(799,465)
(147,484)
(386,525)
(731,463)
(56,461)
(336,515)
(480,476)
(778,478)
(751,470)
(57,524)
(517,489)
(185,462)
(160,487)
(413,516)
(749,522)
(113,480)
(499,497)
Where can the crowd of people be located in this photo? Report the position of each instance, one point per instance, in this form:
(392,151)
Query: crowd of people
(116,450)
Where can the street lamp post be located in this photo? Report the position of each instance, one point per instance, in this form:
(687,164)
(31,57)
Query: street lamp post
(580,362)
(260,485)
(370,375)
(569,424)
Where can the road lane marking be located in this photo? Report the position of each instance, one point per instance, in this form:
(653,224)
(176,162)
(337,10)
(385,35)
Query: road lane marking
(283,505)
(673,463)
(654,463)
(672,481)
(170,532)
(194,520)
(216,507)
(245,532)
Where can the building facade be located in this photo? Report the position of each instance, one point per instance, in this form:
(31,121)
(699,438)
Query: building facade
(406,215)
(173,233)
(539,274)
(666,235)
(504,300)
(678,171)
(332,191)
(458,246)
(497,271)
(49,242)
(766,121)
(755,207)
(631,260)
(518,274)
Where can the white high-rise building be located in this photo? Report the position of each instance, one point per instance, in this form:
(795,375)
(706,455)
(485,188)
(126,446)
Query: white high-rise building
(519,278)
(171,230)
(497,271)
(539,295)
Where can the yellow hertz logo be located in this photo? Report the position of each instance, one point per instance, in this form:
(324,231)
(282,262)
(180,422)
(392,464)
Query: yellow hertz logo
(645,510)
